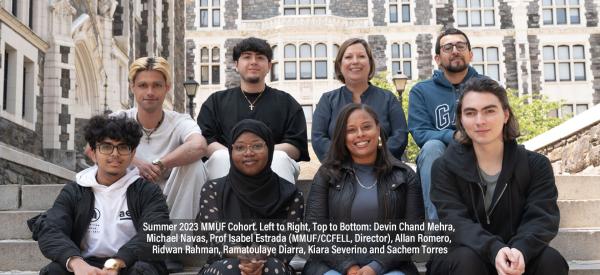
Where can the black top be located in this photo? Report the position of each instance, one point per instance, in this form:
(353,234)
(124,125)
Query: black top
(277,109)
(524,213)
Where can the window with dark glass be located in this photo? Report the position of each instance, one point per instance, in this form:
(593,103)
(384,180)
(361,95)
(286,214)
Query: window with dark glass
(564,63)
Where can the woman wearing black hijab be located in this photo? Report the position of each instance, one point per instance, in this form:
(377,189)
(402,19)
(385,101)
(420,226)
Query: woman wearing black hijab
(250,191)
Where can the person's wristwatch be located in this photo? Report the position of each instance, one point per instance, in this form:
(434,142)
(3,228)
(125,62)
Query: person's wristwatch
(112,264)
(159,163)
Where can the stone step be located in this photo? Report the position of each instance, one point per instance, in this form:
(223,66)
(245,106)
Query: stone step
(579,213)
(39,197)
(21,255)
(578,187)
(14,224)
(579,244)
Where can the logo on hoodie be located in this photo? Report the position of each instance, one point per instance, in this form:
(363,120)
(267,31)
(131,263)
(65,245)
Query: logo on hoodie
(442,117)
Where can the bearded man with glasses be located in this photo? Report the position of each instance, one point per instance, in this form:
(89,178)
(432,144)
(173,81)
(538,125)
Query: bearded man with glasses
(96,223)
(432,104)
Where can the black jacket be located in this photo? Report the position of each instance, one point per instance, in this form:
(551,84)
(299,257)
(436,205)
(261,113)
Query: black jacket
(59,230)
(399,197)
(523,213)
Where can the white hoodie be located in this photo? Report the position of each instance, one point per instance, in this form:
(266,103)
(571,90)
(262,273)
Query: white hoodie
(111,226)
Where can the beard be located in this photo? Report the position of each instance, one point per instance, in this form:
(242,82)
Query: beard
(455,68)
(251,80)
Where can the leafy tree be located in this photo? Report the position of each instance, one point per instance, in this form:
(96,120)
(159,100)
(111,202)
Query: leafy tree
(531,112)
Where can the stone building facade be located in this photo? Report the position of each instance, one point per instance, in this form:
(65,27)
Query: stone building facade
(537,47)
(62,62)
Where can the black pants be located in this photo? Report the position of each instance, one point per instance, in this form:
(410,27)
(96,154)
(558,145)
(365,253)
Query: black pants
(465,261)
(138,268)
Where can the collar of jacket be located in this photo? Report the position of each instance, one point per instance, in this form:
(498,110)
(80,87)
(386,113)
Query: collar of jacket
(462,160)
(396,164)
(440,78)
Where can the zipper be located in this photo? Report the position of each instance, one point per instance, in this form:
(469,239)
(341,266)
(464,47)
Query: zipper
(498,200)
(488,214)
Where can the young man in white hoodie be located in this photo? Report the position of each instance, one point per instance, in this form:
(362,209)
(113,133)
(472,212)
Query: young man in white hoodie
(95,224)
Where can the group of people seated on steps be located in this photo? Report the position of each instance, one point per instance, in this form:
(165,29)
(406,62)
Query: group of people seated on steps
(239,161)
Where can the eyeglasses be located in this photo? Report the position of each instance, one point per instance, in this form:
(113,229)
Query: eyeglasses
(107,148)
(460,46)
(254,148)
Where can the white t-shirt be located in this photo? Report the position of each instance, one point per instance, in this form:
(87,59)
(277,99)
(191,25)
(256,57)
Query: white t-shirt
(171,133)
(111,226)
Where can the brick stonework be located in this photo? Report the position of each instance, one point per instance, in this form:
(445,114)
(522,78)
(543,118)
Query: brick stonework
(232,78)
(20,137)
(231,14)
(591,13)
(379,11)
(445,15)
(190,47)
(424,55)
(533,14)
(82,161)
(378,44)
(595,66)
(190,15)
(575,153)
(117,24)
(506,21)
(524,69)
(166,41)
(259,9)
(143,32)
(535,70)
(349,8)
(422,12)
(510,62)
(13,173)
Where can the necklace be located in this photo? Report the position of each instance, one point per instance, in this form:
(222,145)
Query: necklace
(360,183)
(149,132)
(252,102)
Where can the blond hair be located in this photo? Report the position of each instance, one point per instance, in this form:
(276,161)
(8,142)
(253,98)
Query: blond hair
(150,63)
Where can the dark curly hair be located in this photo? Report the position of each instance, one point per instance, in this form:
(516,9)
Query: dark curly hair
(253,44)
(118,128)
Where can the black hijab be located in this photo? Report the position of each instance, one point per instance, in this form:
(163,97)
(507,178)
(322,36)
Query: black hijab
(264,195)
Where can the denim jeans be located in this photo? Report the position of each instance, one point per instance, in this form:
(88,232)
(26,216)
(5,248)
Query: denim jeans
(430,151)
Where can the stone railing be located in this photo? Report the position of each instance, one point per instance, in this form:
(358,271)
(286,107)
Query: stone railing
(574,146)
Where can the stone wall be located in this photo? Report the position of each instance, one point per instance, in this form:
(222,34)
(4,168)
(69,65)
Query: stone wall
(595,66)
(591,13)
(82,161)
(422,12)
(259,9)
(117,24)
(165,31)
(506,21)
(524,69)
(510,62)
(424,55)
(378,44)
(190,15)
(578,153)
(232,78)
(190,47)
(379,12)
(535,70)
(230,14)
(20,137)
(349,8)
(13,173)
(444,15)
(533,14)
